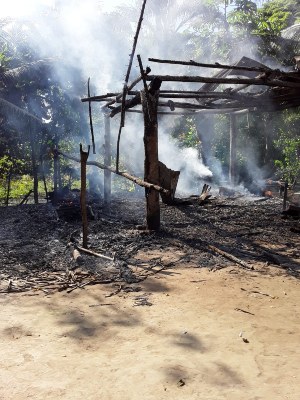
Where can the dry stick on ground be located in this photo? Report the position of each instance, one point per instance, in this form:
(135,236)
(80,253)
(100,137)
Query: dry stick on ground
(132,178)
(83,161)
(91,119)
(125,88)
(229,257)
(93,253)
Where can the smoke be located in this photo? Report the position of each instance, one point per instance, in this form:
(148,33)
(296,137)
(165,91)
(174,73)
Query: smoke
(93,37)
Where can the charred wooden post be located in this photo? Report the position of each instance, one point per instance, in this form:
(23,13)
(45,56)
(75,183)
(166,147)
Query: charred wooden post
(83,160)
(149,104)
(232,149)
(107,160)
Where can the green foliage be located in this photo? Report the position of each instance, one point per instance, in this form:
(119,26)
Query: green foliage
(186,132)
(19,186)
(289,145)
(265,24)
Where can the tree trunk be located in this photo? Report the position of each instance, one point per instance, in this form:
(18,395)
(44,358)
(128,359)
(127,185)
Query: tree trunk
(83,159)
(34,166)
(149,104)
(232,150)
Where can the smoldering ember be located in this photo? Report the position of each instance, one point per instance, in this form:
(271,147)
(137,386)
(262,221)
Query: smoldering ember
(176,181)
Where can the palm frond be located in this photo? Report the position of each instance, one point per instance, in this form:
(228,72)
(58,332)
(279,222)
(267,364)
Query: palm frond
(31,71)
(8,108)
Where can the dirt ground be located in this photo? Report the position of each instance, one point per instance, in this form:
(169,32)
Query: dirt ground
(172,317)
(189,333)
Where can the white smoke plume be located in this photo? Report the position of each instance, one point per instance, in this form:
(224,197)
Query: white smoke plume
(88,35)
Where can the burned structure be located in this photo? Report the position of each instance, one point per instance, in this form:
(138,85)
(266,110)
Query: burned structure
(240,88)
(274,90)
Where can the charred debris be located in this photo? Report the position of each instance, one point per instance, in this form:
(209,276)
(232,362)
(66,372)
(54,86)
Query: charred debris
(205,230)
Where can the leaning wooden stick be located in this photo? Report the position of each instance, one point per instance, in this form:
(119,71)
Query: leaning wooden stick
(91,118)
(125,88)
(126,175)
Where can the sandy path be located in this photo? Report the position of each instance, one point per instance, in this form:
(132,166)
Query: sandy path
(69,346)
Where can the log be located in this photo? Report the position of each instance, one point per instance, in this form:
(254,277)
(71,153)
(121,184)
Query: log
(126,175)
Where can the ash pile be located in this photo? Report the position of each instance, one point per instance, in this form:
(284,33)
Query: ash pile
(41,251)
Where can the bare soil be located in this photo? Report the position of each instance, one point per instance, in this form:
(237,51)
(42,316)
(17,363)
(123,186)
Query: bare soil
(173,320)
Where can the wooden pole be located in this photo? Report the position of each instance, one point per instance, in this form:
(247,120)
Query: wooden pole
(125,87)
(107,160)
(232,149)
(83,160)
(192,63)
(91,118)
(276,82)
(150,104)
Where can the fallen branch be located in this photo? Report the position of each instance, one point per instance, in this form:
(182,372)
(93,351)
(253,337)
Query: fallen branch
(93,253)
(229,257)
